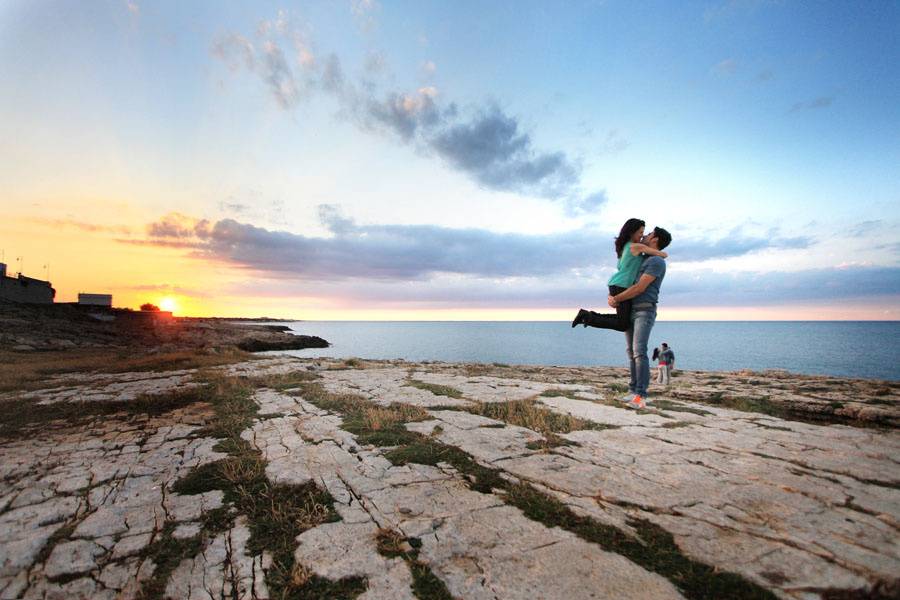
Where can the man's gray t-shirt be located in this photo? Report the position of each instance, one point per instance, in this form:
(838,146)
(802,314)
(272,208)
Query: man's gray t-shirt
(656,266)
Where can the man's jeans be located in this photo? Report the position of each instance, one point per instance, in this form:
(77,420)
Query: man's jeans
(636,340)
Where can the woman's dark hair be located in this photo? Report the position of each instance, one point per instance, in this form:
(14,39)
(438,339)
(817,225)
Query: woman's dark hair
(628,229)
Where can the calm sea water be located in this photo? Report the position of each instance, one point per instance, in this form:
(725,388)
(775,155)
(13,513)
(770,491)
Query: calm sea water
(853,349)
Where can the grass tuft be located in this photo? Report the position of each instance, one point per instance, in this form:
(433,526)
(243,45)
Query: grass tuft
(19,417)
(426,585)
(530,414)
(437,390)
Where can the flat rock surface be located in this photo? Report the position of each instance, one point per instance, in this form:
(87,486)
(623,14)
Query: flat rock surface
(790,482)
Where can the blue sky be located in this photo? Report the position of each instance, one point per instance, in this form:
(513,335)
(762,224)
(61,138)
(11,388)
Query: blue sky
(429,159)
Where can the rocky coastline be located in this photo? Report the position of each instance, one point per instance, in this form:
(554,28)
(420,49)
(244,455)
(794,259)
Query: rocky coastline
(170,463)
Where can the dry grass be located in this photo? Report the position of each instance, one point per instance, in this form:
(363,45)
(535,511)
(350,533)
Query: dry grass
(283,381)
(29,371)
(434,388)
(300,575)
(379,418)
(391,542)
(530,414)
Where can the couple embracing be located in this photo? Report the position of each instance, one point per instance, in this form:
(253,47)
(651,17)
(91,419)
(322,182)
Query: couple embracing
(634,292)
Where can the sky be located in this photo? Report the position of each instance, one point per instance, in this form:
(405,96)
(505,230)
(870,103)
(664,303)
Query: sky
(366,159)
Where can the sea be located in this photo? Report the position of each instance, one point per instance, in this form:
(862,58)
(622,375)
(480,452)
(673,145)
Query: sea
(865,349)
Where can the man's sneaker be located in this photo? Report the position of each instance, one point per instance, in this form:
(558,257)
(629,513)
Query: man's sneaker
(627,397)
(636,403)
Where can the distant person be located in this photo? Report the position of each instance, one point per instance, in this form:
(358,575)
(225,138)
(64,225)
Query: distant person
(655,358)
(643,295)
(631,252)
(666,364)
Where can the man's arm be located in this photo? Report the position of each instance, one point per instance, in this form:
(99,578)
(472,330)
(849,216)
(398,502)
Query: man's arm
(636,290)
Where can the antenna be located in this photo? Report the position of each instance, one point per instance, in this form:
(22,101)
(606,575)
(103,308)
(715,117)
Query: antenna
(47,272)
(21,261)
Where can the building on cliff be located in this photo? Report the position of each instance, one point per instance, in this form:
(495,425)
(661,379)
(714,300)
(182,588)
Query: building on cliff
(95,299)
(25,289)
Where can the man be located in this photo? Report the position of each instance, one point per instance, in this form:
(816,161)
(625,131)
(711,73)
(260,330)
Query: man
(644,295)
(666,364)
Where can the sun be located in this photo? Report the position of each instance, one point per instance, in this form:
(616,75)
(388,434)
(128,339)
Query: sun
(168,304)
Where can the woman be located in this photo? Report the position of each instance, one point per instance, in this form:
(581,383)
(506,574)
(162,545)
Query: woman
(630,252)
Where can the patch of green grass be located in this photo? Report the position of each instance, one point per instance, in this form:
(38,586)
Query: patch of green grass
(65,530)
(352,363)
(500,365)
(446,407)
(283,381)
(557,393)
(675,424)
(618,388)
(166,552)
(426,584)
(372,424)
(18,417)
(437,390)
(678,407)
(550,441)
(768,426)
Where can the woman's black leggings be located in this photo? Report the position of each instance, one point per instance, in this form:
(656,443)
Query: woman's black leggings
(621,321)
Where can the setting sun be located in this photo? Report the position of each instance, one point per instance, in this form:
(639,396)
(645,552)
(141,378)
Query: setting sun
(168,303)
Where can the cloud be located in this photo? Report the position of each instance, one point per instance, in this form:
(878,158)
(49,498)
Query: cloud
(680,289)
(280,53)
(613,143)
(736,243)
(168,288)
(816,103)
(133,8)
(234,207)
(774,288)
(419,252)
(376,63)
(483,142)
(177,225)
(725,68)
(365,13)
(496,153)
(83,226)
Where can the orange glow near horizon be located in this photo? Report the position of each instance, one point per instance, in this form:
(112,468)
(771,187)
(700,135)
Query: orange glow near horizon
(95,262)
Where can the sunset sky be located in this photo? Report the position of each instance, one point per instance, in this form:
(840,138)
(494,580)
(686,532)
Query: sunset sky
(453,160)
